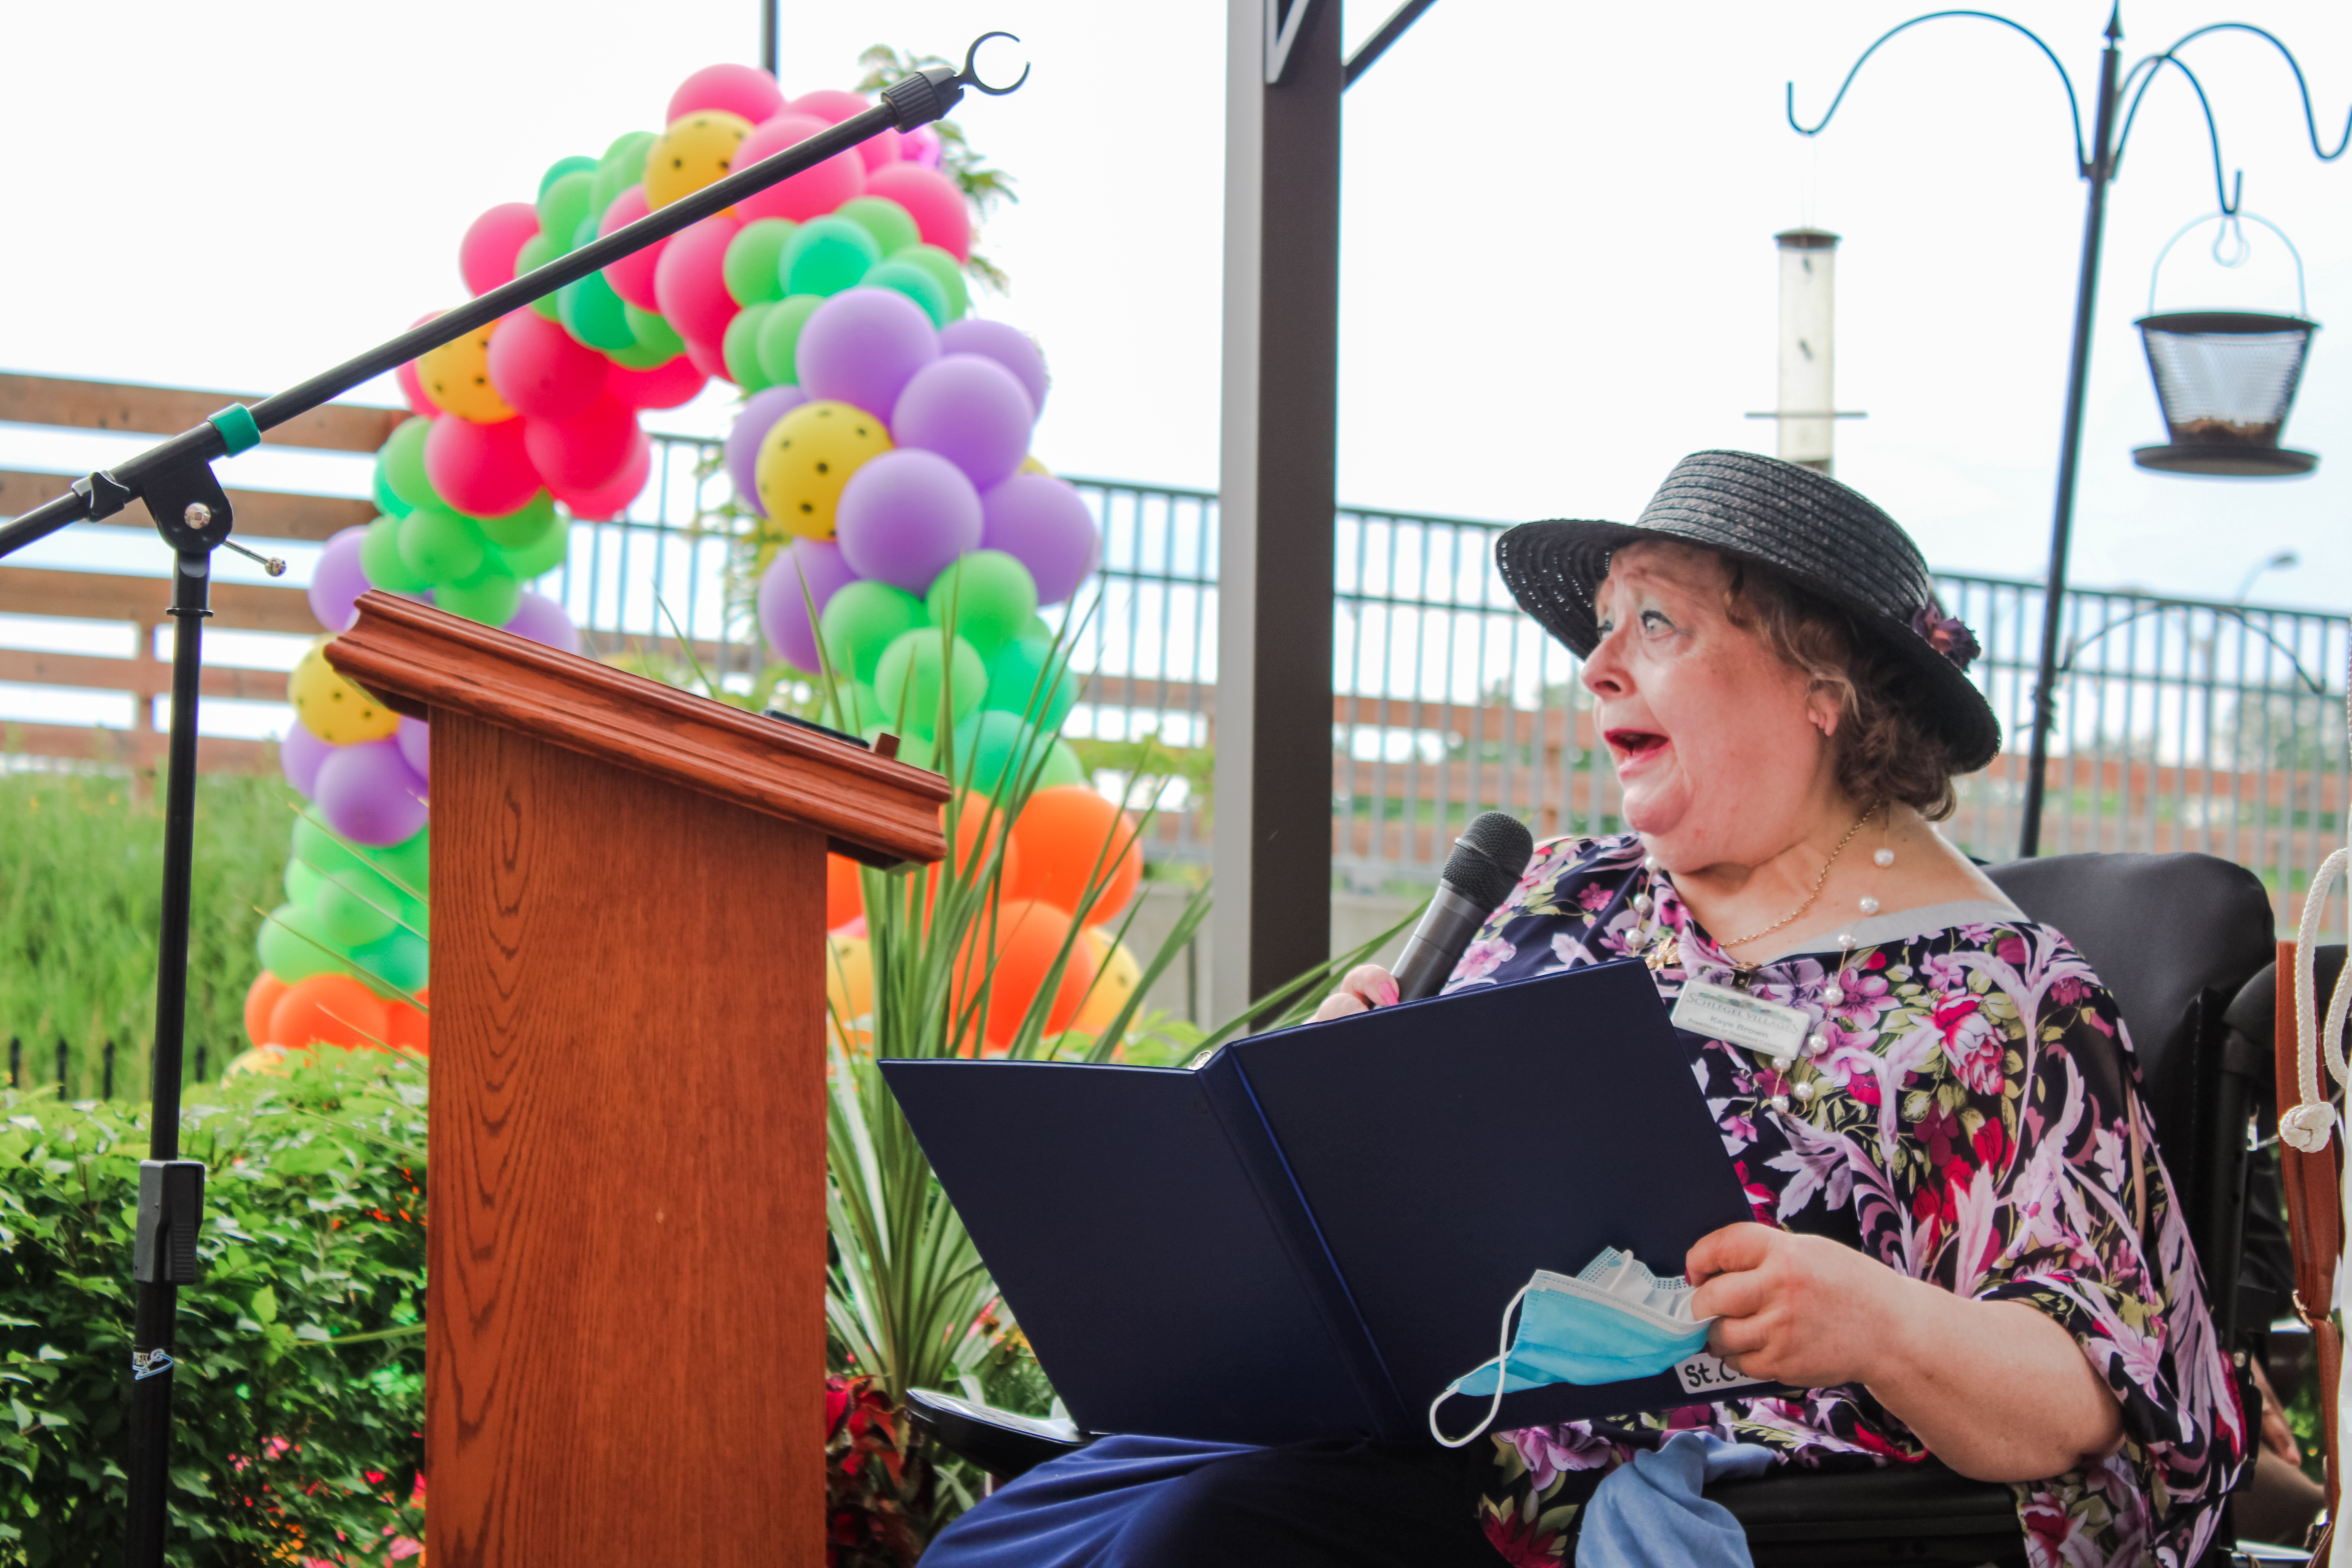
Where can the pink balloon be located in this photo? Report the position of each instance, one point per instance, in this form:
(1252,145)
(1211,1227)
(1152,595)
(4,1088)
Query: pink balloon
(414,739)
(711,361)
(904,516)
(809,193)
(368,794)
(690,283)
(829,104)
(486,257)
(542,620)
(920,145)
(862,346)
(482,470)
(970,410)
(1007,345)
(412,386)
(603,503)
(670,385)
(337,580)
(585,451)
(543,371)
(934,201)
(299,756)
(737,90)
(632,277)
(811,570)
(1041,523)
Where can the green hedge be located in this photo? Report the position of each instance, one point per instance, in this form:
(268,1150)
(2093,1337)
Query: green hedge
(299,1408)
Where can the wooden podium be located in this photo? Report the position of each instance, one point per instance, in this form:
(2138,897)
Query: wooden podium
(626,1234)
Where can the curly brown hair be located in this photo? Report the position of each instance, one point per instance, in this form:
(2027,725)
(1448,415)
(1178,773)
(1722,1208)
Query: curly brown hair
(1887,749)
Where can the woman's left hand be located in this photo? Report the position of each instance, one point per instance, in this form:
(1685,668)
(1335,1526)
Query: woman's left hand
(1799,1309)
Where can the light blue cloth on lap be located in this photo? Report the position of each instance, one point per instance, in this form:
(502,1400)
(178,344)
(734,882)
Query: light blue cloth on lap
(1650,1513)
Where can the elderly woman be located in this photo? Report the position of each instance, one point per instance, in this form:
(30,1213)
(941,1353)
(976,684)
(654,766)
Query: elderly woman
(1964,1244)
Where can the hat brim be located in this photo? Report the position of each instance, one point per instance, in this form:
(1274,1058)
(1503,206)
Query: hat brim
(1553,568)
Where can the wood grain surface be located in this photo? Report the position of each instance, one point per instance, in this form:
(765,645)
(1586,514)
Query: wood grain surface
(168,410)
(626,1239)
(415,657)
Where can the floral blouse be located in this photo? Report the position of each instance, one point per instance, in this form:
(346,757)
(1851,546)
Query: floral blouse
(1971,1117)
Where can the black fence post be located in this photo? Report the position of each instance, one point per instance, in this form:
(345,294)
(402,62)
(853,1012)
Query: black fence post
(201,1073)
(61,1067)
(16,1062)
(106,1072)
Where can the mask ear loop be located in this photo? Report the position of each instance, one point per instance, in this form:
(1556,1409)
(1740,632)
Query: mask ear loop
(1502,1365)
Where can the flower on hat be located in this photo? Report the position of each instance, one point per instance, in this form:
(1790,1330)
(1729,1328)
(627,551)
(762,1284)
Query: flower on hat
(1946,634)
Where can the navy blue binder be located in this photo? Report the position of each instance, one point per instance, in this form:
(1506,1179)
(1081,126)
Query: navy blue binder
(1315,1231)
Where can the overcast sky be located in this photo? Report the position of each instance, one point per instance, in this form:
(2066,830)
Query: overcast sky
(1559,272)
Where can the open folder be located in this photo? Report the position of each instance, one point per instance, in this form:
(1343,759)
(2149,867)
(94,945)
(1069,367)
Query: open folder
(1318,1230)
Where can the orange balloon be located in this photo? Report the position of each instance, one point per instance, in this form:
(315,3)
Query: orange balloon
(266,989)
(1027,937)
(407,1028)
(1073,839)
(334,1008)
(978,832)
(845,900)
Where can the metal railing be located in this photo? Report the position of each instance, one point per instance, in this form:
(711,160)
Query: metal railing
(2179,725)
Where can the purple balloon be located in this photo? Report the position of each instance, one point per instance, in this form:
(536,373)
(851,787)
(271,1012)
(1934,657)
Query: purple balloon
(751,426)
(861,346)
(414,739)
(368,794)
(971,411)
(1043,523)
(542,620)
(299,756)
(783,607)
(1008,346)
(904,516)
(337,580)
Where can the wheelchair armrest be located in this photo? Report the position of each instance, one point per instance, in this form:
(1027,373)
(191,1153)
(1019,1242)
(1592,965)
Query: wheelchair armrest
(1922,1513)
(999,1442)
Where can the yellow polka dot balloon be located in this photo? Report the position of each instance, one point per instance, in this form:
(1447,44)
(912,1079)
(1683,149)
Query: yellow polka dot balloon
(848,988)
(808,456)
(332,708)
(695,152)
(1030,465)
(1118,974)
(457,377)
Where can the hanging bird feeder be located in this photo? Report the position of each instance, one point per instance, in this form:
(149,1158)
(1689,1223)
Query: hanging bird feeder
(2226,380)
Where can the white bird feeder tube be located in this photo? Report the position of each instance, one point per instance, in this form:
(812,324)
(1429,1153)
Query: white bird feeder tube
(1808,355)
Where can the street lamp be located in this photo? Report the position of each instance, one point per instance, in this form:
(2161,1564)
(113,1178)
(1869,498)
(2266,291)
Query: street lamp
(2098,167)
(2283,560)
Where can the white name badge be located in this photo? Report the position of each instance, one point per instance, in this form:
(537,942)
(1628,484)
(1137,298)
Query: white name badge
(1710,1375)
(1720,1012)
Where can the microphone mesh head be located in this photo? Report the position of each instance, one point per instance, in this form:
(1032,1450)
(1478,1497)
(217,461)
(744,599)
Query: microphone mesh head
(1490,857)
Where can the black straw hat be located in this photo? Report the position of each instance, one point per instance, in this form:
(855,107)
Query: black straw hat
(1827,539)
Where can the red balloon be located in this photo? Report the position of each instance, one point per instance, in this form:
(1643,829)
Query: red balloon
(632,277)
(710,360)
(543,371)
(668,386)
(334,1009)
(1023,938)
(934,201)
(737,90)
(258,1001)
(482,470)
(834,106)
(486,257)
(579,455)
(845,897)
(691,279)
(603,502)
(810,193)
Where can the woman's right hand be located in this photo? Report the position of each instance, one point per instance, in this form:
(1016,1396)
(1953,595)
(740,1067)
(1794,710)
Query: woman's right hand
(1361,989)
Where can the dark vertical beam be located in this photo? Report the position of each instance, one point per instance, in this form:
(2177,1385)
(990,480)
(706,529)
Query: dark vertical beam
(768,20)
(1276,497)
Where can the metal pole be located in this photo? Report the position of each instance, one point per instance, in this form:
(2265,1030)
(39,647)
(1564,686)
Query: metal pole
(769,27)
(2101,174)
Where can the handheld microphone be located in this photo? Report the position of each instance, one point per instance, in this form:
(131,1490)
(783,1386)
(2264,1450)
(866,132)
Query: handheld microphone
(1487,862)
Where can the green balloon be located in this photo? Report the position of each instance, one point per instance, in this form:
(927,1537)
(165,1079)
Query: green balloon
(353,913)
(892,227)
(387,499)
(623,165)
(1062,767)
(408,864)
(826,254)
(540,556)
(521,526)
(575,164)
(750,268)
(441,546)
(489,596)
(987,597)
(1027,677)
(294,944)
(380,558)
(915,284)
(908,678)
(913,750)
(414,913)
(991,744)
(402,461)
(945,271)
(565,202)
(302,883)
(780,337)
(656,343)
(397,964)
(591,313)
(741,348)
(1038,629)
(538,251)
(860,620)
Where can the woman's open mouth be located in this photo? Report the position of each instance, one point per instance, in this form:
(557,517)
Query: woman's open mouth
(1629,747)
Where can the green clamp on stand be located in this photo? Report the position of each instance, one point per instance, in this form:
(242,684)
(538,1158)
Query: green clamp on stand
(237,431)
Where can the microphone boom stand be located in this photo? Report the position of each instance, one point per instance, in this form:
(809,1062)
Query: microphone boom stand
(190,510)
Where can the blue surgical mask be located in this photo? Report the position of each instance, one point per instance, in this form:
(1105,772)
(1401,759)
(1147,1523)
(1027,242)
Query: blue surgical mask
(1613,1322)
